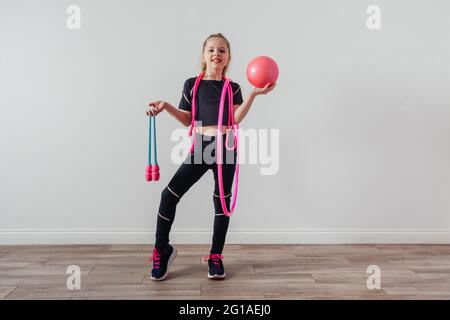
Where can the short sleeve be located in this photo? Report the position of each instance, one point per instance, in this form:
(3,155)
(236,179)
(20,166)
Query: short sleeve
(186,97)
(237,94)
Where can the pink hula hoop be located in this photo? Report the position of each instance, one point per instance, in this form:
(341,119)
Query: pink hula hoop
(227,89)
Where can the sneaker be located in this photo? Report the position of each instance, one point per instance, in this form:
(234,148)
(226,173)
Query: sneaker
(216,270)
(162,259)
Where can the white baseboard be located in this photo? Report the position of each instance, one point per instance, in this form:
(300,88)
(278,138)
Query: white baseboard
(234,236)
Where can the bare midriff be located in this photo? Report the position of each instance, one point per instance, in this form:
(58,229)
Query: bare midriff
(209,130)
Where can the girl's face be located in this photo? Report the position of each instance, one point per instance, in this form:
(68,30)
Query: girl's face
(216,54)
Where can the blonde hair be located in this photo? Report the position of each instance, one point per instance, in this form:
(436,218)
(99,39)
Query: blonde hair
(227,43)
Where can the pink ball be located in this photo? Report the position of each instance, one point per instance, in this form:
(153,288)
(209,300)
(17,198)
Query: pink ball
(262,70)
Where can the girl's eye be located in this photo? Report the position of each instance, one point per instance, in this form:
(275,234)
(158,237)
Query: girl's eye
(221,51)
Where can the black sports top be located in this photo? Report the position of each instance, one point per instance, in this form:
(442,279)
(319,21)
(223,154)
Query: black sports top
(208,99)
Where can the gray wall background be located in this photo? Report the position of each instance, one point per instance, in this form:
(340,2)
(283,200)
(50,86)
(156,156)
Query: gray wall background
(363,116)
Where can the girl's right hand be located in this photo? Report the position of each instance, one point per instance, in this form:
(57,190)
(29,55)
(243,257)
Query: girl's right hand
(155,107)
(269,87)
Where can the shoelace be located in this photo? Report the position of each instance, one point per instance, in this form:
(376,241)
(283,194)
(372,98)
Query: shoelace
(156,258)
(214,257)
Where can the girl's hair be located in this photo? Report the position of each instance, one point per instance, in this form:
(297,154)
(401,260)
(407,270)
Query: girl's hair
(227,43)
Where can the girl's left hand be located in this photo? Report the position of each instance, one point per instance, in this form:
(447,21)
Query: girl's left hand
(264,90)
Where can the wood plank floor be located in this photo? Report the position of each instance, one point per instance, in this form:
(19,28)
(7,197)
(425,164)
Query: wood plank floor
(253,272)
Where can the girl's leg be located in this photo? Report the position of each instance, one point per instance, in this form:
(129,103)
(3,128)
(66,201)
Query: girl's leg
(221,221)
(186,176)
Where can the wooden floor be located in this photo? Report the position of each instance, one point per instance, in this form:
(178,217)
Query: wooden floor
(254,272)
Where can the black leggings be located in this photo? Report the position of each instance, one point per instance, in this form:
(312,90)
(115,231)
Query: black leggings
(191,170)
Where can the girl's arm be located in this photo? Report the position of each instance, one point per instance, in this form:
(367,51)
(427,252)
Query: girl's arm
(181,115)
(240,111)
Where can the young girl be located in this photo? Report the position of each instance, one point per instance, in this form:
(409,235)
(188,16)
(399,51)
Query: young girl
(216,56)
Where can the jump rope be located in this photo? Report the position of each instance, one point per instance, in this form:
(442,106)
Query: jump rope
(152,168)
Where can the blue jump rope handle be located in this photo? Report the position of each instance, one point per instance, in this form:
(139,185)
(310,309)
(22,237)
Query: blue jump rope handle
(153,123)
(152,140)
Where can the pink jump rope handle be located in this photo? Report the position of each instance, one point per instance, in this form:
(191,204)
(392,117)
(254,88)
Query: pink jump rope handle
(148,173)
(152,172)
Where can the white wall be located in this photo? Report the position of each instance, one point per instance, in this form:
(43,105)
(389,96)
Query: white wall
(363,117)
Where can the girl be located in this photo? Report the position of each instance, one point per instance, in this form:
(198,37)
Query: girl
(216,56)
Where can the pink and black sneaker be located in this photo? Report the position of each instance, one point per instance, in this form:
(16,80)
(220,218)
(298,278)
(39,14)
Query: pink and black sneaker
(162,259)
(216,270)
